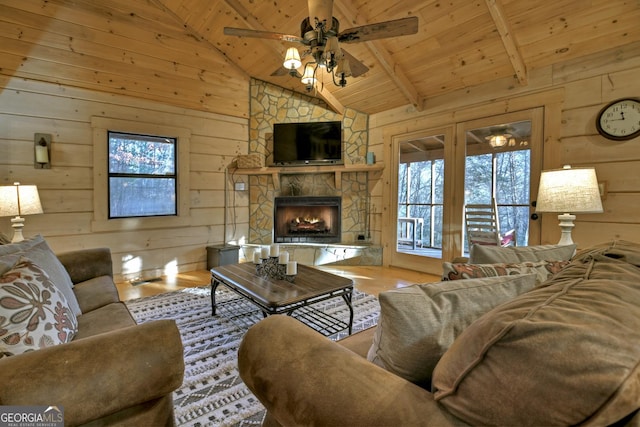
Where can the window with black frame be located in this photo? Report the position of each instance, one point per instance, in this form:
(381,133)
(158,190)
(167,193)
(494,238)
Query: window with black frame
(142,175)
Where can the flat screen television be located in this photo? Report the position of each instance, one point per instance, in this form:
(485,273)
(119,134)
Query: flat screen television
(307,143)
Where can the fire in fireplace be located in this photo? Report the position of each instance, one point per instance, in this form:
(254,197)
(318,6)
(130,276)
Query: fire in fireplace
(307,219)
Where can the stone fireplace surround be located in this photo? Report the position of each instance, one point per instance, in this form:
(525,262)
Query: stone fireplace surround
(272,104)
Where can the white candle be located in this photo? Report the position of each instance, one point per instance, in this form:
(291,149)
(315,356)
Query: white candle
(264,252)
(292,268)
(274,250)
(284,257)
(256,256)
(42,154)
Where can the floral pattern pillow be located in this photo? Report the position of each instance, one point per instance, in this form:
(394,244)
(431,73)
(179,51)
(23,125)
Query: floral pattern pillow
(33,313)
(542,269)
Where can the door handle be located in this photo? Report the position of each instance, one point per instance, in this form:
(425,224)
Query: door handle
(534,216)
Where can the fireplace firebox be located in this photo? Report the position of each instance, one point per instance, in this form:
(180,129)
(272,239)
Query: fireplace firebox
(307,219)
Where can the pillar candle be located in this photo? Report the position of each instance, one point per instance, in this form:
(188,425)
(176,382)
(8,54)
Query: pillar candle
(284,257)
(256,256)
(274,250)
(292,268)
(264,252)
(42,154)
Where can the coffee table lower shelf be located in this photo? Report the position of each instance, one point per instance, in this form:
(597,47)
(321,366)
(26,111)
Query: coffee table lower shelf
(245,314)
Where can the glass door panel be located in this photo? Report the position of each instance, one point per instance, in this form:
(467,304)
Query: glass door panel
(420,199)
(501,156)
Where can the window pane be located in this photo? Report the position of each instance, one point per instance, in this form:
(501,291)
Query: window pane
(130,197)
(438,176)
(512,177)
(437,226)
(420,189)
(141,154)
(478,179)
(402,183)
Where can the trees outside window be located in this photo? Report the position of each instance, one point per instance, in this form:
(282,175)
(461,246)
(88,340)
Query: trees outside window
(142,175)
(504,176)
(421,195)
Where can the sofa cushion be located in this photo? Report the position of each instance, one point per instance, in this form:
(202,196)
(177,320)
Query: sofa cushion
(418,323)
(108,318)
(479,254)
(570,346)
(37,250)
(95,293)
(34,313)
(542,270)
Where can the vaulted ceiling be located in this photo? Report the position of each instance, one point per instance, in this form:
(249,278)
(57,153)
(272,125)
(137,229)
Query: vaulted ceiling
(175,50)
(460,43)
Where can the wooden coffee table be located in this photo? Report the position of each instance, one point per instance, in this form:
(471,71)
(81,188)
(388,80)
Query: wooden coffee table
(275,296)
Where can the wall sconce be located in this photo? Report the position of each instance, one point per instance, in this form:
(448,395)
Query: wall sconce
(42,151)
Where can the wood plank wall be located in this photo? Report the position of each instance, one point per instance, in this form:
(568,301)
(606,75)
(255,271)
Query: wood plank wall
(573,92)
(133,48)
(67,189)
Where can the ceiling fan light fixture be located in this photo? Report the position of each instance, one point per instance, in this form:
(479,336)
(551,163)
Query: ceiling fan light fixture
(332,49)
(499,140)
(344,68)
(292,59)
(308,78)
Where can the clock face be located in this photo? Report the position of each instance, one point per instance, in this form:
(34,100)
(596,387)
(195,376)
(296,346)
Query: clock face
(620,120)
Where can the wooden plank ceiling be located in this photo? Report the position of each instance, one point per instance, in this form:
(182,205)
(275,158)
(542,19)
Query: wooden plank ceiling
(175,50)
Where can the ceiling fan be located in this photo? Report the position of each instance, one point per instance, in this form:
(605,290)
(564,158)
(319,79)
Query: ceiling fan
(320,33)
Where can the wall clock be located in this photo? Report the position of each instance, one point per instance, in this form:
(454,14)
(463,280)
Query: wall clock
(620,120)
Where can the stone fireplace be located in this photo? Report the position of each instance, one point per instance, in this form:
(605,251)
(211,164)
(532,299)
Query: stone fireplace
(307,219)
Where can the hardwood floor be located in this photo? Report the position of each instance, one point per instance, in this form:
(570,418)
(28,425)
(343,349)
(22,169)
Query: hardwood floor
(368,279)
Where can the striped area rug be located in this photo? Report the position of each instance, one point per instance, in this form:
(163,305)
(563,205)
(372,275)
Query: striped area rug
(212,393)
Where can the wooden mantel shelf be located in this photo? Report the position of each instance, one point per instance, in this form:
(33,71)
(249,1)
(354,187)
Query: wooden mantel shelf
(338,170)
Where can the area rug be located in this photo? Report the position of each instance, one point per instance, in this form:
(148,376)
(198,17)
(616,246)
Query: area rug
(212,393)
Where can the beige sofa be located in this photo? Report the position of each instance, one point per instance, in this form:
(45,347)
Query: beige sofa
(564,352)
(112,371)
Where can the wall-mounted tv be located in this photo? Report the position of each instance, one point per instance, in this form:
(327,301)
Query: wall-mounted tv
(307,143)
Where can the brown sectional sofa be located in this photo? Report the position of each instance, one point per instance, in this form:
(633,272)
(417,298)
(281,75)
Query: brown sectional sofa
(565,352)
(113,372)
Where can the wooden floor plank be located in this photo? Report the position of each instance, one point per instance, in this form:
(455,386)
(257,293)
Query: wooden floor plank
(368,279)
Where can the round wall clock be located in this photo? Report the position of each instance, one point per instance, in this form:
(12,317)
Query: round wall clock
(620,120)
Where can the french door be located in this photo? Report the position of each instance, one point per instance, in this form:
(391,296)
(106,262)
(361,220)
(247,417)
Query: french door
(438,171)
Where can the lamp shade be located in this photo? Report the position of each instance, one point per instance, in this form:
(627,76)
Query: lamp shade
(292,59)
(17,200)
(309,78)
(569,190)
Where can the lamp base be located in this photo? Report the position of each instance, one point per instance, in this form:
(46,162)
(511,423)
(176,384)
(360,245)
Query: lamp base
(17,223)
(566,225)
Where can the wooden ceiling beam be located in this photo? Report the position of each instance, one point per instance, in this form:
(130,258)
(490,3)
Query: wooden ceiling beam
(384,58)
(254,24)
(510,44)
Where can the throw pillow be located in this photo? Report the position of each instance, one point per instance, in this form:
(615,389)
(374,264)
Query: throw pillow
(33,313)
(37,250)
(514,254)
(563,354)
(542,269)
(418,323)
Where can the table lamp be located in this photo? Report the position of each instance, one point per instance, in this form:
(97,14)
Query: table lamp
(569,191)
(19,200)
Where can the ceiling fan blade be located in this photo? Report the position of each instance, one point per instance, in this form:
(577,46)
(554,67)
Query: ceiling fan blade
(320,9)
(284,72)
(357,67)
(245,32)
(381,30)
